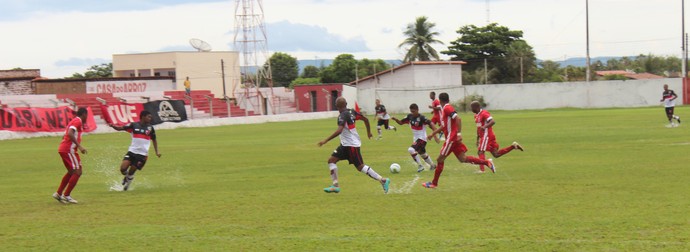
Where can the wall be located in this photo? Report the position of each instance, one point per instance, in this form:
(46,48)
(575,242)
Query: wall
(304,99)
(394,88)
(599,94)
(16,87)
(20,74)
(64,87)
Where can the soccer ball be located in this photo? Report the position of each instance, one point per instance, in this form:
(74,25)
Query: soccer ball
(395,168)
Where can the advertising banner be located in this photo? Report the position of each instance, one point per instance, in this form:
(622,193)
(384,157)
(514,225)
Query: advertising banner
(130,86)
(162,111)
(42,119)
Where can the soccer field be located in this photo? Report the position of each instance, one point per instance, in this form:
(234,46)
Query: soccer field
(588,180)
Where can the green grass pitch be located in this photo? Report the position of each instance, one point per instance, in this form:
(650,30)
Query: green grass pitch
(589,180)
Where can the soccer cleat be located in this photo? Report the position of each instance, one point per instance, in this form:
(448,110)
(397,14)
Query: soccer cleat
(479,172)
(516,145)
(420,168)
(678,118)
(491,165)
(332,189)
(69,199)
(57,197)
(386,185)
(395,129)
(126,182)
(433,167)
(428,185)
(379,137)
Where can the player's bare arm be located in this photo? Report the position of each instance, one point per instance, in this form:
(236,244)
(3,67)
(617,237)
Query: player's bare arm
(459,122)
(433,128)
(155,147)
(397,121)
(366,123)
(434,133)
(115,127)
(335,134)
(73,137)
(488,125)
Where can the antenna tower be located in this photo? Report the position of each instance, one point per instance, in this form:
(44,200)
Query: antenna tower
(251,42)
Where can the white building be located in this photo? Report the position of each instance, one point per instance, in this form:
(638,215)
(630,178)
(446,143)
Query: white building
(203,68)
(409,83)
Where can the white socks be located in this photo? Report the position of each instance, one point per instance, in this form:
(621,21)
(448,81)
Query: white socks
(369,171)
(334,173)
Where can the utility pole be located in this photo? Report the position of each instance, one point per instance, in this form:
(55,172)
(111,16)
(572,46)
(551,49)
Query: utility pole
(521,71)
(222,72)
(486,73)
(587,77)
(684,41)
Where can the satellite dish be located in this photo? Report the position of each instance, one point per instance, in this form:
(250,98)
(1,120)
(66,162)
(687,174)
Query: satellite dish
(200,45)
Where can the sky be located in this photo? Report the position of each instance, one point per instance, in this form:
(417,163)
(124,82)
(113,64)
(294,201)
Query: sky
(62,37)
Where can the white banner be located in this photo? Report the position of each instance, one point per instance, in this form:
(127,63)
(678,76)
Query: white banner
(128,86)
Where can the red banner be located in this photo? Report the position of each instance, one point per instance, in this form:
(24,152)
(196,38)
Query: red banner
(41,119)
(121,113)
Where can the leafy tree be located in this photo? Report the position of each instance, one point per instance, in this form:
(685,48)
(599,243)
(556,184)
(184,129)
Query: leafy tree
(366,67)
(305,81)
(549,71)
(342,70)
(419,36)
(310,72)
(518,54)
(494,43)
(284,69)
(96,71)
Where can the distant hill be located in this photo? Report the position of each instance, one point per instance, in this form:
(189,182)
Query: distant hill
(328,62)
(582,61)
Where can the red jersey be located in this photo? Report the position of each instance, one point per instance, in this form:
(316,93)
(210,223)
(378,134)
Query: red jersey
(482,119)
(67,146)
(436,113)
(448,123)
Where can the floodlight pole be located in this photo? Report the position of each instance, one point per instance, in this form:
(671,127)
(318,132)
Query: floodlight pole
(684,41)
(587,74)
(222,72)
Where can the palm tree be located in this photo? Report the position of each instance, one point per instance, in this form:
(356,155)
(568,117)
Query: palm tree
(419,39)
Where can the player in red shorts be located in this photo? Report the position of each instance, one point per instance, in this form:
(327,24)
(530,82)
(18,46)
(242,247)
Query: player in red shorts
(486,140)
(349,146)
(451,127)
(71,142)
(435,110)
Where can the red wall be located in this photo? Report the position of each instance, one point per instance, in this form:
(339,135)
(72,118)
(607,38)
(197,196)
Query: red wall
(686,90)
(323,96)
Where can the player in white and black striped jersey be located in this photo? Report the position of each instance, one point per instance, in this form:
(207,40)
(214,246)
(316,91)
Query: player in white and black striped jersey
(668,98)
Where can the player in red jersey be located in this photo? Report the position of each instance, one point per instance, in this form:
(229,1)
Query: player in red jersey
(418,125)
(349,146)
(143,134)
(486,140)
(71,142)
(451,127)
(435,110)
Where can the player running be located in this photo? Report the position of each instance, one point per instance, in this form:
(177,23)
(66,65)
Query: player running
(349,146)
(418,125)
(142,136)
(451,127)
(71,142)
(486,140)
(668,98)
(383,118)
(435,110)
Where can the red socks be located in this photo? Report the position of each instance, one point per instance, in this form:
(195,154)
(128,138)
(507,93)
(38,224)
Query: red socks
(474,160)
(72,182)
(483,157)
(437,173)
(505,150)
(63,183)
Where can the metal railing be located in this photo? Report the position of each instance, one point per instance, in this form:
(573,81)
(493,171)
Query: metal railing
(210,103)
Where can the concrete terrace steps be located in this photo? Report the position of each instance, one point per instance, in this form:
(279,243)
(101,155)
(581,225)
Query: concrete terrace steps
(220,107)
